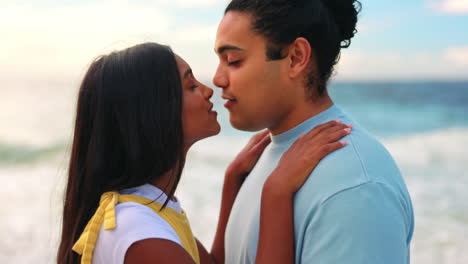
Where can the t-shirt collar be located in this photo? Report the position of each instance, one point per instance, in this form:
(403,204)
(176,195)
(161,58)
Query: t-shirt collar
(304,127)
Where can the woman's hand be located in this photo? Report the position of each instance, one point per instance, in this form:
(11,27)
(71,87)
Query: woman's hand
(241,166)
(302,157)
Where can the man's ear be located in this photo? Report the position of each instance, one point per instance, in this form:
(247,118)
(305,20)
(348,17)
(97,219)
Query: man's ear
(299,56)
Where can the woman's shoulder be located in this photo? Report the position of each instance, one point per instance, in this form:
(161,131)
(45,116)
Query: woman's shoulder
(134,222)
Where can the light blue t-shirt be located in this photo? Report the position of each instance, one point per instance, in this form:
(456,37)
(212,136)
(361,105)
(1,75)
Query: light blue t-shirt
(354,208)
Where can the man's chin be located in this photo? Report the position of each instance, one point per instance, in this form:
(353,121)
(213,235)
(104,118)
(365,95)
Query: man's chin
(245,126)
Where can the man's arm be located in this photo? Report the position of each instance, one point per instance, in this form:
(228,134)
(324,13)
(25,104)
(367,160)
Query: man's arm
(366,224)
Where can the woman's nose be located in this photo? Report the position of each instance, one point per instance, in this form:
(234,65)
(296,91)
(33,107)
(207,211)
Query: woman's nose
(207,92)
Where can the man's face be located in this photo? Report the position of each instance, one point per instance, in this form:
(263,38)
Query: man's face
(252,85)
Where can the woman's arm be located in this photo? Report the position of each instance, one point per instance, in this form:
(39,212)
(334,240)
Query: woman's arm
(233,179)
(149,251)
(231,186)
(276,237)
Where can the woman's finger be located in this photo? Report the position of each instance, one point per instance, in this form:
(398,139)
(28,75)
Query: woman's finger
(259,136)
(335,128)
(320,128)
(260,146)
(334,134)
(324,133)
(328,148)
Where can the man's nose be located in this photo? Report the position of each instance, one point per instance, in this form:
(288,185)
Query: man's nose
(220,79)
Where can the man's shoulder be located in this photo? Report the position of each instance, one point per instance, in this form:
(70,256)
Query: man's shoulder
(364,159)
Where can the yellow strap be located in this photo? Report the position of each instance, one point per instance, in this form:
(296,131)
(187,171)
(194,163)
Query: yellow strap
(106,213)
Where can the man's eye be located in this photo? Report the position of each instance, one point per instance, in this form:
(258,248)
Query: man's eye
(233,63)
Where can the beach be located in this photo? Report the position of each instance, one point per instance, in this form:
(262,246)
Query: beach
(424,125)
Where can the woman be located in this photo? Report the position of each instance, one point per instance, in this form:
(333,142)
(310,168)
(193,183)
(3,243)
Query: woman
(139,111)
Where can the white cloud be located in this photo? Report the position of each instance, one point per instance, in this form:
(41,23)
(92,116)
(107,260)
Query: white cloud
(197,34)
(189,3)
(450,6)
(457,55)
(58,42)
(359,65)
(373,26)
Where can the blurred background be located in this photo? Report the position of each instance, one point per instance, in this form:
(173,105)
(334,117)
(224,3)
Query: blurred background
(404,78)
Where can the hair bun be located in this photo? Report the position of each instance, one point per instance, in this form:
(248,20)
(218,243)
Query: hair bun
(345,14)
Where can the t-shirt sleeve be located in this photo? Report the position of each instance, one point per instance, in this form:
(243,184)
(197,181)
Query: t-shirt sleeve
(134,222)
(361,225)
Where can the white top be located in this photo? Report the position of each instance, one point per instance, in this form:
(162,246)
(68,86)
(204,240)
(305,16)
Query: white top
(134,222)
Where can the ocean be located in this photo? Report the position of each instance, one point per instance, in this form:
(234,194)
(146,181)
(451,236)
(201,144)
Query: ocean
(424,125)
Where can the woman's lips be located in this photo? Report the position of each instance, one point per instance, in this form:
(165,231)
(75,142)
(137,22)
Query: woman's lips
(211,111)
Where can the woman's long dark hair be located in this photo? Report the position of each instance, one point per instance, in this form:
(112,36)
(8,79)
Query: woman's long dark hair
(128,131)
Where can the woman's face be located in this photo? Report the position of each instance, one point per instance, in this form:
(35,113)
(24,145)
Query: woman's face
(198,118)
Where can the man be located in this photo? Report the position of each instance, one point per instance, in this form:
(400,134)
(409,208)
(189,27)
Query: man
(276,57)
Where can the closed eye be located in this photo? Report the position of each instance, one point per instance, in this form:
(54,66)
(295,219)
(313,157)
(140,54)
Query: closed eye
(233,63)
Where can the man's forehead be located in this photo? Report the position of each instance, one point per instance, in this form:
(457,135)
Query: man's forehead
(234,32)
(235,21)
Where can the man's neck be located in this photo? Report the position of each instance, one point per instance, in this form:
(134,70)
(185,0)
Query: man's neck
(301,112)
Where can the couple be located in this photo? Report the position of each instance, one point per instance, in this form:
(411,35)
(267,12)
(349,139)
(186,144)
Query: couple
(305,190)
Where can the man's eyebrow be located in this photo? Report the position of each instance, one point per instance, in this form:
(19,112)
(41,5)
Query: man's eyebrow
(187,73)
(222,49)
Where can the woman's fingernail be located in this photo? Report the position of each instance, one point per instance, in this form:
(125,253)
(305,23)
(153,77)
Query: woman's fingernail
(349,125)
(347,129)
(338,121)
(343,143)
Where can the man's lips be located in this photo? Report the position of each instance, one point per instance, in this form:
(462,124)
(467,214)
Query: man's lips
(230,101)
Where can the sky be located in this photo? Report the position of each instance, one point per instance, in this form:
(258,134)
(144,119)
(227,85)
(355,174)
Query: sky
(52,40)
